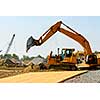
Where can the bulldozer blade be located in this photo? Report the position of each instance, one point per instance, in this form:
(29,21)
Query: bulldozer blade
(30,42)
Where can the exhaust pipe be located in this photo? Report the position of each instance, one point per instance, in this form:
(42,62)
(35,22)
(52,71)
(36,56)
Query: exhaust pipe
(31,42)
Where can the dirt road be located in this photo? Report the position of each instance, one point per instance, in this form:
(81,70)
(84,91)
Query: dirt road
(41,77)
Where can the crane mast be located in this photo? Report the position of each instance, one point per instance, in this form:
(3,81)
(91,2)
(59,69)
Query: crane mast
(10,44)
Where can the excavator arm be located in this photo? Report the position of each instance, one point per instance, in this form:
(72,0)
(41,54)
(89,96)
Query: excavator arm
(33,42)
(69,32)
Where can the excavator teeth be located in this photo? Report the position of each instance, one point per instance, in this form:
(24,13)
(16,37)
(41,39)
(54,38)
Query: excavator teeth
(30,42)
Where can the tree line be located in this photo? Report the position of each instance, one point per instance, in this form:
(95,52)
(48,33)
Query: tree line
(15,56)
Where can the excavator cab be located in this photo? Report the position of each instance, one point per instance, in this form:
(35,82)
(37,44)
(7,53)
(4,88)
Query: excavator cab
(67,55)
(66,52)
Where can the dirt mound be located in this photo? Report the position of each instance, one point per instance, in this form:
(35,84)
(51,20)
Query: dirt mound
(31,68)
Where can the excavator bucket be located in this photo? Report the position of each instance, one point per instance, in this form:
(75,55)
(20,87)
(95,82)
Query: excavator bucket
(30,42)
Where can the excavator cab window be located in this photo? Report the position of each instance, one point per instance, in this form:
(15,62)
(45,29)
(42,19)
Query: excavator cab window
(67,53)
(62,54)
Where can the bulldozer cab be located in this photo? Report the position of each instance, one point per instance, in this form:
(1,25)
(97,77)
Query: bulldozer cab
(65,52)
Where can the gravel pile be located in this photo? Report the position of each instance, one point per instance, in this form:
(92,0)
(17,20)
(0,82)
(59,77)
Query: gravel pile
(89,77)
(38,60)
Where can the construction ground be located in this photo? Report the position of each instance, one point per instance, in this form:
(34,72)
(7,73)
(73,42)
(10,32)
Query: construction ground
(42,77)
(17,75)
(64,66)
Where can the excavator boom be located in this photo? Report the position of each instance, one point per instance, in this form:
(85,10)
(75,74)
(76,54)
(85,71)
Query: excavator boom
(57,27)
(79,38)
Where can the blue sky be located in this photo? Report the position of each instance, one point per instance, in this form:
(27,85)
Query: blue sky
(25,26)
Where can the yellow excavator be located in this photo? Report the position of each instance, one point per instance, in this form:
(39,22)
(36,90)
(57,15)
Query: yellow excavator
(66,57)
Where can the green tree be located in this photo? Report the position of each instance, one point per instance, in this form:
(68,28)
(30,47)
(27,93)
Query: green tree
(25,57)
(40,56)
(15,56)
(8,56)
